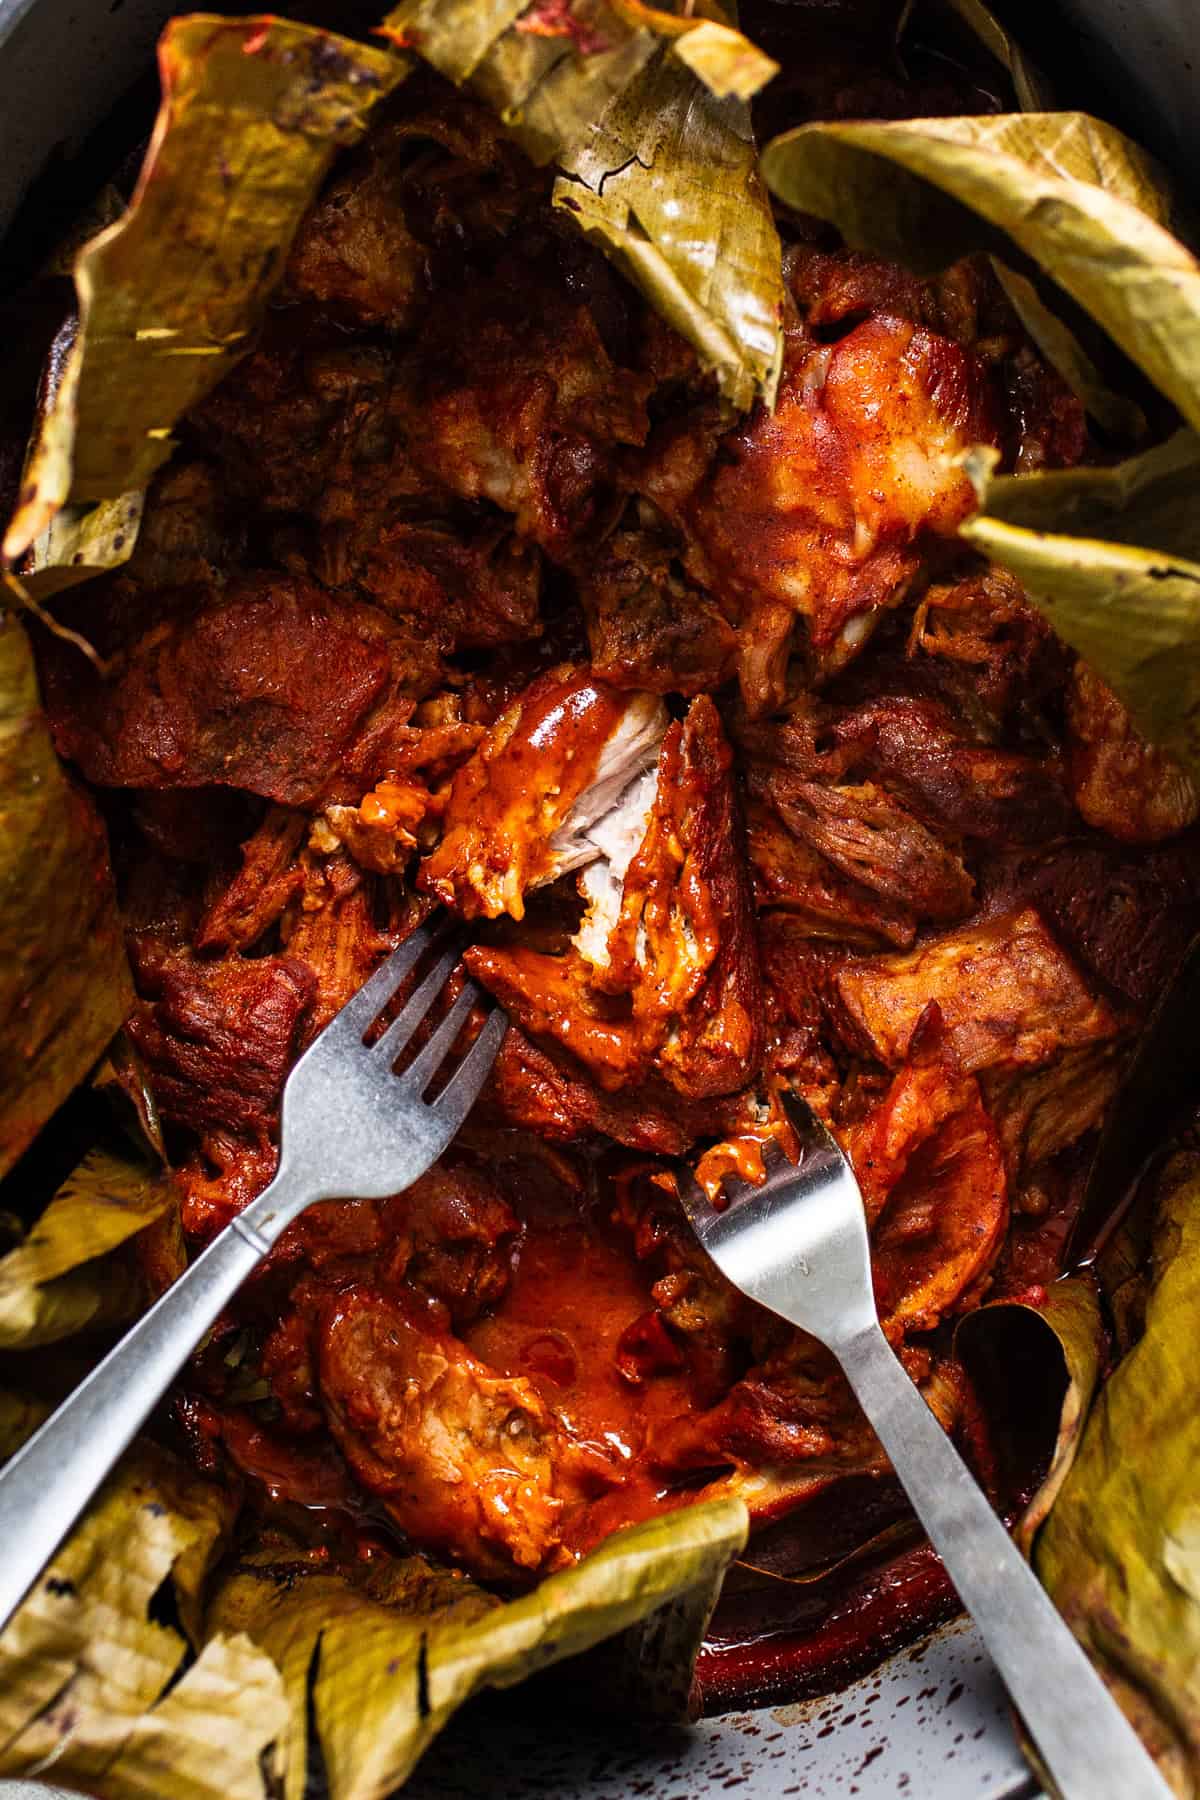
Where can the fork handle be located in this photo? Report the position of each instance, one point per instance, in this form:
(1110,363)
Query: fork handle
(48,1483)
(1081,1734)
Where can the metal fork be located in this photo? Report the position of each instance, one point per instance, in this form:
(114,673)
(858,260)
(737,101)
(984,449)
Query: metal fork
(351,1128)
(798,1245)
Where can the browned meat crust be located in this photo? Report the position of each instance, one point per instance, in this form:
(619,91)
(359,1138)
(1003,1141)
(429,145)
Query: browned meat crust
(462,590)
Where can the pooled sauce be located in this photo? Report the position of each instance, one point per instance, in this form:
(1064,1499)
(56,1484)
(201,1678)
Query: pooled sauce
(390,512)
(576,1292)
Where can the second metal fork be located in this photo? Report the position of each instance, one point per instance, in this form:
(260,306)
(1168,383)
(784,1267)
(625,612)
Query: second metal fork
(798,1245)
(353,1127)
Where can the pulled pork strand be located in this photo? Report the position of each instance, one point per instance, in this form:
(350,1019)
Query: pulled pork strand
(745,774)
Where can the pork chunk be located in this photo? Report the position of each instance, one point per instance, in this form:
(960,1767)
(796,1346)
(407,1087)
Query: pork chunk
(218,1038)
(1010,996)
(1134,791)
(665,976)
(463,1458)
(648,626)
(867,834)
(514,398)
(522,810)
(818,507)
(274,687)
(455,1235)
(554,1096)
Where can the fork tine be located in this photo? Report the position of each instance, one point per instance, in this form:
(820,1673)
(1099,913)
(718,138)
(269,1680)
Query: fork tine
(393,1040)
(364,1007)
(695,1202)
(808,1125)
(736,1187)
(775,1160)
(462,1090)
(425,1064)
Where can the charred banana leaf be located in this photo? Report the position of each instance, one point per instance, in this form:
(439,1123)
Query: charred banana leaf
(1120,1552)
(645,111)
(1112,556)
(64,981)
(253,111)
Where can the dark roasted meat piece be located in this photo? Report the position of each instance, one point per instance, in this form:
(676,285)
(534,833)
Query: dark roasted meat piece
(274,686)
(463,1458)
(740,770)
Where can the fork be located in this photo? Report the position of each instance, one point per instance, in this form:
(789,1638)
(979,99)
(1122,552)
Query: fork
(798,1245)
(351,1127)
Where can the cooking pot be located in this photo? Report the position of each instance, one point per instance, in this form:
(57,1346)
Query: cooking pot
(933,1721)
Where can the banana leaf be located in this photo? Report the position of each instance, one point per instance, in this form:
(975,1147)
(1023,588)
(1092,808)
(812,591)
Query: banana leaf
(85,1659)
(649,122)
(1032,90)
(379,1669)
(20,1416)
(1112,557)
(252,113)
(549,70)
(1119,416)
(79,543)
(392,1667)
(64,1278)
(64,981)
(1065,1332)
(1060,193)
(1120,1552)
(666,180)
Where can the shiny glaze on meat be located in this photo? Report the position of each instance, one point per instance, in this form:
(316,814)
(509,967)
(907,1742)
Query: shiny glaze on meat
(746,774)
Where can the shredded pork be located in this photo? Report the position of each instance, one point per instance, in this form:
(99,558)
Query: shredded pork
(745,774)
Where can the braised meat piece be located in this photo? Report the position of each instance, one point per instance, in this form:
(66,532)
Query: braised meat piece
(683,944)
(1040,1112)
(463,1458)
(274,686)
(1009,996)
(190,531)
(840,287)
(648,626)
(556,1097)
(988,647)
(819,507)
(1126,915)
(522,810)
(354,254)
(432,174)
(470,589)
(790,875)
(514,398)
(929,1162)
(452,1234)
(1122,785)
(294,415)
(269,879)
(877,842)
(339,928)
(218,1038)
(951,781)
(1041,423)
(664,973)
